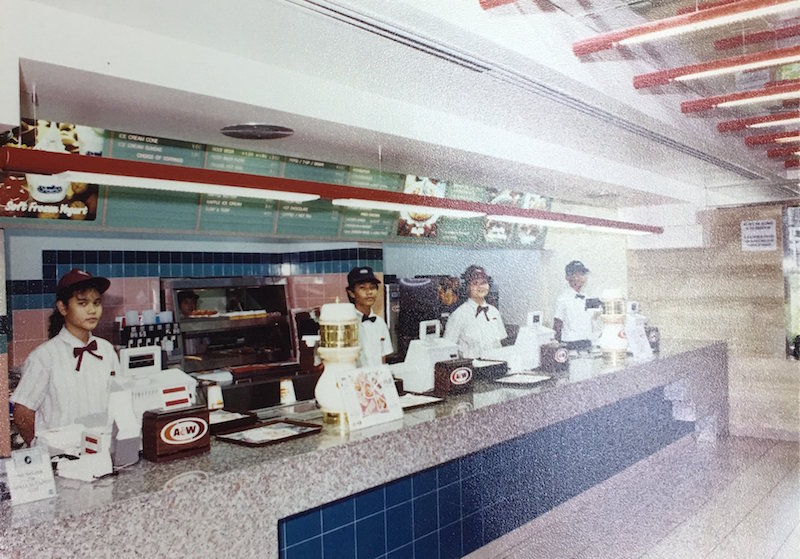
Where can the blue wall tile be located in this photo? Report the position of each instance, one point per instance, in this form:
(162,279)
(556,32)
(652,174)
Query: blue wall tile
(371,537)
(405,552)
(426,515)
(449,504)
(427,547)
(424,482)
(311,549)
(369,503)
(338,514)
(303,527)
(398,491)
(450,541)
(340,544)
(399,526)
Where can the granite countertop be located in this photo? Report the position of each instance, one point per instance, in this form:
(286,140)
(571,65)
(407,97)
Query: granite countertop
(226,463)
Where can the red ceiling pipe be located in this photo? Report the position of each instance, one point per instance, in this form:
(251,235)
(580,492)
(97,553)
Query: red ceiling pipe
(489,4)
(707,5)
(760,37)
(708,103)
(18,160)
(664,77)
(776,153)
(791,163)
(608,40)
(743,123)
(765,139)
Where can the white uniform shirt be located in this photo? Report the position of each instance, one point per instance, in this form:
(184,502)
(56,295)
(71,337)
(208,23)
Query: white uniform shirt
(374,340)
(576,320)
(475,335)
(58,393)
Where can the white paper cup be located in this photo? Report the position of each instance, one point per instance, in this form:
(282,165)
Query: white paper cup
(148,316)
(131,318)
(164,317)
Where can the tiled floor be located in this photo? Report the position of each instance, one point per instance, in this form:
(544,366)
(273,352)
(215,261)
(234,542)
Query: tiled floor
(736,499)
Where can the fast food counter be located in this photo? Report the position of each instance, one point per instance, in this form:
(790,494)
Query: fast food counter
(230,500)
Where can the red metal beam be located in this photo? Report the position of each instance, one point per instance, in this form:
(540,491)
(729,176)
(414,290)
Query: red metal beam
(708,103)
(18,160)
(664,77)
(791,163)
(760,37)
(489,4)
(778,153)
(609,40)
(743,123)
(766,139)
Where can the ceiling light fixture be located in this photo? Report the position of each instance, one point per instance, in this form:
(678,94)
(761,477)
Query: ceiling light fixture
(685,23)
(534,221)
(777,93)
(363,204)
(765,59)
(763,121)
(183,186)
(256,131)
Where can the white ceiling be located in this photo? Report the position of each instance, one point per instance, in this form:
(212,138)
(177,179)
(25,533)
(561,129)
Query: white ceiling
(355,78)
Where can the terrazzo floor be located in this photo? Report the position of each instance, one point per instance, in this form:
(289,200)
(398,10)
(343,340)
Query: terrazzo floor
(738,498)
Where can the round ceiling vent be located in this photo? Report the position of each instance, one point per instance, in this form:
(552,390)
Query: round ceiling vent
(255,131)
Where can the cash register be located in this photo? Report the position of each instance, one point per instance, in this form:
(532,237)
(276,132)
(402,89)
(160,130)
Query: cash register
(417,371)
(526,352)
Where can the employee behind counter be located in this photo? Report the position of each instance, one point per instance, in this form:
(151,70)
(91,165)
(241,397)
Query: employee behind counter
(574,312)
(373,334)
(475,326)
(67,377)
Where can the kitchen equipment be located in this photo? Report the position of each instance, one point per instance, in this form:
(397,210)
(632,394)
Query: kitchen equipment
(338,349)
(238,321)
(638,343)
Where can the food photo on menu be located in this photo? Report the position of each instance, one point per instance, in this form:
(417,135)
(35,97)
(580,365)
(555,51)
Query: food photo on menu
(420,223)
(44,196)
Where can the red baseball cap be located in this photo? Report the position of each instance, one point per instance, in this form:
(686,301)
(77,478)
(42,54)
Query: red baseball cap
(76,277)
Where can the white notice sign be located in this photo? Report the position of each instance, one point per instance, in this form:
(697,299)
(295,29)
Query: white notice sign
(759,235)
(30,475)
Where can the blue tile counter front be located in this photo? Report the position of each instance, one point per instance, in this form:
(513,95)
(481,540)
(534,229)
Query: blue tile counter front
(453,509)
(424,486)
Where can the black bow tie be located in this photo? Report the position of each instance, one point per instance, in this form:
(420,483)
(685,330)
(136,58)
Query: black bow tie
(579,296)
(484,310)
(79,351)
(365,318)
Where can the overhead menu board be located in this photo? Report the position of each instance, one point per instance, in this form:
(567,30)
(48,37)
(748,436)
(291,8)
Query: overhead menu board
(368,224)
(457,230)
(151,209)
(135,147)
(317,171)
(236,214)
(244,161)
(375,179)
(309,219)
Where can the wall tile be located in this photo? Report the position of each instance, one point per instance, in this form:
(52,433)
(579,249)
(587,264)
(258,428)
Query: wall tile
(340,544)
(370,537)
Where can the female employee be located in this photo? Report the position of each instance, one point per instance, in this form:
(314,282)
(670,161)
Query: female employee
(475,325)
(68,376)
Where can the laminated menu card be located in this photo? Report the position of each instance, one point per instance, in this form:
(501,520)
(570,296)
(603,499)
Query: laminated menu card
(369,396)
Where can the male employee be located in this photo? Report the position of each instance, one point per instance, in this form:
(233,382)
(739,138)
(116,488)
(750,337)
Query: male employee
(572,320)
(373,334)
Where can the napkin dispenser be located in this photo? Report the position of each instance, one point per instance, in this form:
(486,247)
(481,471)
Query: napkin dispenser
(453,376)
(555,357)
(172,434)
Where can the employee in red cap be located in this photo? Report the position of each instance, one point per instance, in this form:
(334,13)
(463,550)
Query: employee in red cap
(67,377)
(475,326)
(373,334)
(572,319)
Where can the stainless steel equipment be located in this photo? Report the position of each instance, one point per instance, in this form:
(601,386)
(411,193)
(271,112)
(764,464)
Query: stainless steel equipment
(238,321)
